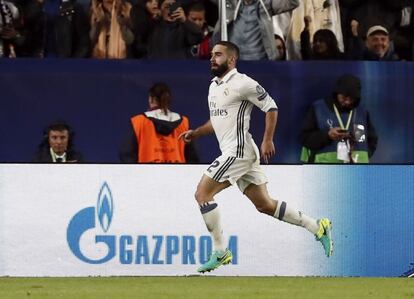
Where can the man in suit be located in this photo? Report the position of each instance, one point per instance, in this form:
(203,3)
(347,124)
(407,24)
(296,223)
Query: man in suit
(57,145)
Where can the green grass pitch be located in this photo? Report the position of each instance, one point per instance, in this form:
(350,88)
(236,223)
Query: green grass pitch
(206,287)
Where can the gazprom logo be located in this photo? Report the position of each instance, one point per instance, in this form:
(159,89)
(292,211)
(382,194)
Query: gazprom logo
(105,207)
(84,220)
(154,249)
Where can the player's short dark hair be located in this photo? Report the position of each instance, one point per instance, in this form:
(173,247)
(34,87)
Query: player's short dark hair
(231,47)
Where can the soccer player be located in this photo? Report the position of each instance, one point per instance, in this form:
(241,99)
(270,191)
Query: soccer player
(231,98)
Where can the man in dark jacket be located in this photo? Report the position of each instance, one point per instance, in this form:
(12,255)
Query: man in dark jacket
(338,129)
(377,46)
(372,12)
(57,145)
(173,35)
(54,28)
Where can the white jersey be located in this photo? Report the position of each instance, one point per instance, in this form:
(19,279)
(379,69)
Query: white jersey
(231,101)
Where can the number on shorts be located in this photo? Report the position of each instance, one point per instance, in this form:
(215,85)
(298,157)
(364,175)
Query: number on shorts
(213,165)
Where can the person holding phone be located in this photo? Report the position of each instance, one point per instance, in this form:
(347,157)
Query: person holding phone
(338,129)
(173,35)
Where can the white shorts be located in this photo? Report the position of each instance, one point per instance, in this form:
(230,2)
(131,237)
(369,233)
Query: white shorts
(236,170)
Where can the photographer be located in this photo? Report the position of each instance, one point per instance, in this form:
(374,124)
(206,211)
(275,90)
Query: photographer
(338,129)
(173,35)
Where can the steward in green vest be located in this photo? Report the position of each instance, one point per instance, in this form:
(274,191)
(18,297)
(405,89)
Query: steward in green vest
(338,129)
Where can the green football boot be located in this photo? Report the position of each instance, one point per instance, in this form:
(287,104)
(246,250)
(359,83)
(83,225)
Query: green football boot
(324,235)
(217,259)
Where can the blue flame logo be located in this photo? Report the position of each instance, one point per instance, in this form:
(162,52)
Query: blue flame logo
(105,208)
(85,220)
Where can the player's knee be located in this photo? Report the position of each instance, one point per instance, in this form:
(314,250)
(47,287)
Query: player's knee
(200,196)
(266,208)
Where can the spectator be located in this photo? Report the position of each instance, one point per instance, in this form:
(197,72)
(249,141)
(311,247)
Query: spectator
(173,35)
(111,29)
(281,23)
(54,28)
(67,29)
(280,31)
(251,26)
(325,14)
(377,44)
(144,15)
(338,129)
(395,15)
(197,15)
(31,36)
(403,38)
(324,46)
(280,47)
(57,145)
(9,14)
(154,134)
(369,13)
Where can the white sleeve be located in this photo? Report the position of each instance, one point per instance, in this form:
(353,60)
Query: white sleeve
(256,94)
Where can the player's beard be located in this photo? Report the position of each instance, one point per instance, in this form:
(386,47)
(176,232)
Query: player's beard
(220,70)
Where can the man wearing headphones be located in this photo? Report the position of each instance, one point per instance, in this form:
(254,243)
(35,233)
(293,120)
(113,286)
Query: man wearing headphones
(57,145)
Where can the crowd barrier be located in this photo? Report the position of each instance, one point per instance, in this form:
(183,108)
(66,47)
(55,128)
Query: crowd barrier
(98,97)
(105,220)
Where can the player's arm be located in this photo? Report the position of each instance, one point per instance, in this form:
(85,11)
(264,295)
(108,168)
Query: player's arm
(257,95)
(190,135)
(267,147)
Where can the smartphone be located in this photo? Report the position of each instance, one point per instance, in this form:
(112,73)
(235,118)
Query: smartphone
(173,7)
(342,131)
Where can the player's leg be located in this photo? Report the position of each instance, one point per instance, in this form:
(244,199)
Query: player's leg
(204,195)
(261,199)
(222,173)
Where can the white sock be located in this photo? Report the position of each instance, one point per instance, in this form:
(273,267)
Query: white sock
(290,215)
(211,216)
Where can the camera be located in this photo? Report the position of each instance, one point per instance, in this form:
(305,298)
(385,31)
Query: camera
(173,7)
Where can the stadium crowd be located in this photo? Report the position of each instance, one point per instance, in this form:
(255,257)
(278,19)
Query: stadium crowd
(181,29)
(379,30)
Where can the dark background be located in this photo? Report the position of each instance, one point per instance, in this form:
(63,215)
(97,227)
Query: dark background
(98,97)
